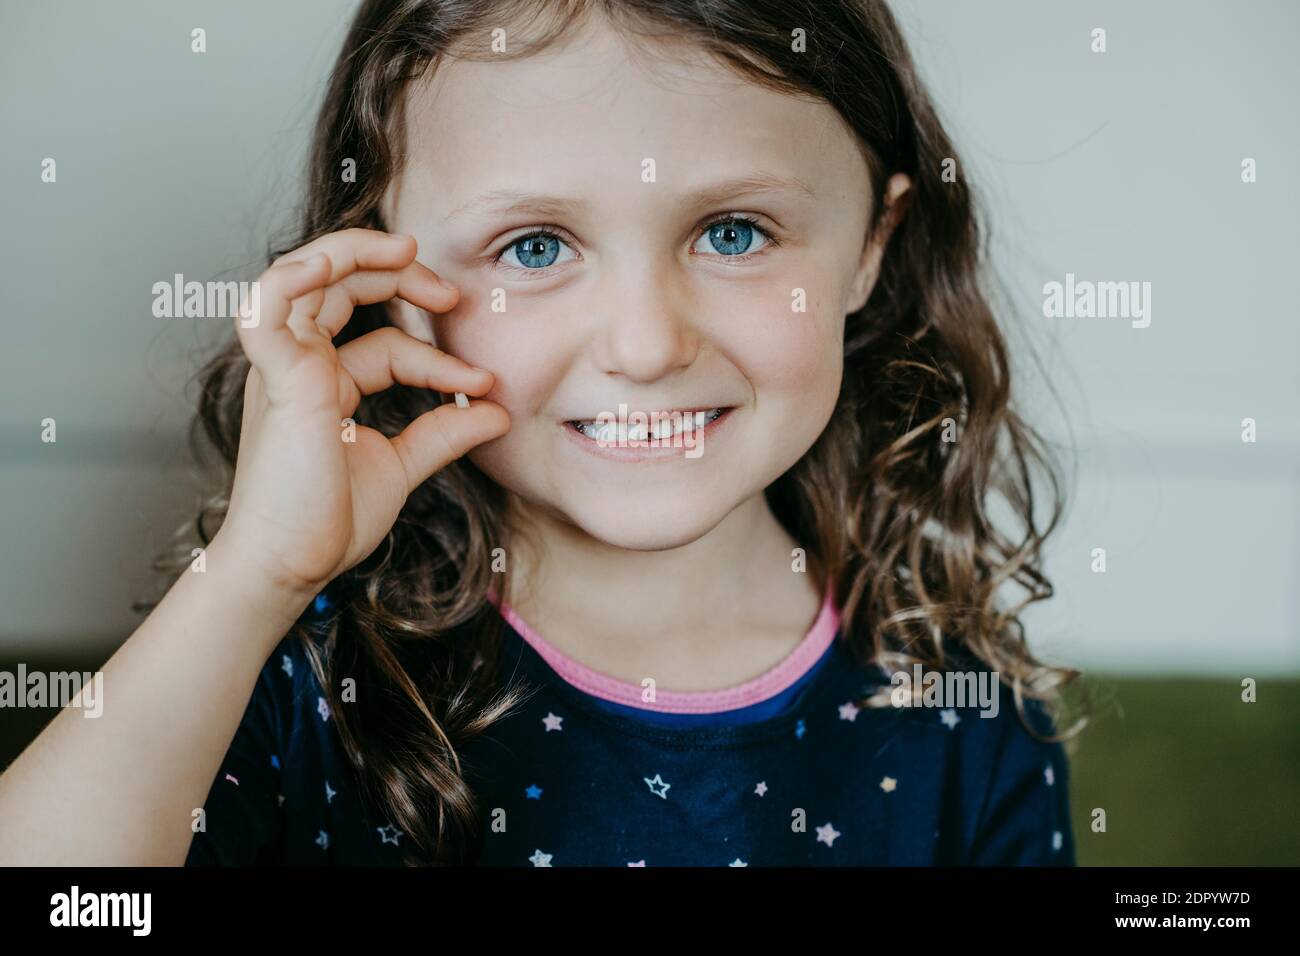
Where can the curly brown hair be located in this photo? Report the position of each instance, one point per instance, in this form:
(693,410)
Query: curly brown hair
(895,516)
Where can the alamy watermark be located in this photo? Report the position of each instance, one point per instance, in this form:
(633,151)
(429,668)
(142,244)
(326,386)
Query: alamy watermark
(657,429)
(26,688)
(1098,300)
(946,690)
(208,300)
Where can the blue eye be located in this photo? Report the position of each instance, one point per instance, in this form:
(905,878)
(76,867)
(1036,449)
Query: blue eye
(733,236)
(537,250)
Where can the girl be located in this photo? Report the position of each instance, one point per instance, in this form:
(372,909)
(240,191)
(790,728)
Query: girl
(662,592)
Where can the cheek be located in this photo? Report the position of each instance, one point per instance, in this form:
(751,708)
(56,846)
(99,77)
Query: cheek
(784,353)
(525,359)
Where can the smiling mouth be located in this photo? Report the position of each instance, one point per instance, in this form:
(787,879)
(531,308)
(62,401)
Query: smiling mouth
(646,427)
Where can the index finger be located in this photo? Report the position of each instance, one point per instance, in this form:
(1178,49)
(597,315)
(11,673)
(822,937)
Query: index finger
(416,284)
(351,250)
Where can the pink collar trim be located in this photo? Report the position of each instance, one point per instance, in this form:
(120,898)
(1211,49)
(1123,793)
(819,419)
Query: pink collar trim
(768,684)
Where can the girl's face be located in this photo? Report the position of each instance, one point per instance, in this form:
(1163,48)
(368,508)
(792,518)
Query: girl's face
(637,299)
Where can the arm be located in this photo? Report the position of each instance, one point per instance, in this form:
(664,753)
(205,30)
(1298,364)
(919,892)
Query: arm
(120,789)
(1024,818)
(305,506)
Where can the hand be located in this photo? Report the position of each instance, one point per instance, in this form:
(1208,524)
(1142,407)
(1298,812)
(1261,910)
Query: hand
(306,505)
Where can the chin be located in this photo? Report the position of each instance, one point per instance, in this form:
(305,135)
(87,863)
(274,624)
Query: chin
(640,525)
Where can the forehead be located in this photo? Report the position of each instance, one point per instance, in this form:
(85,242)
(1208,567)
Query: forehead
(586,113)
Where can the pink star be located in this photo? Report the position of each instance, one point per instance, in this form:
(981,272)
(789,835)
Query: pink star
(761,788)
(849,711)
(552,722)
(827,834)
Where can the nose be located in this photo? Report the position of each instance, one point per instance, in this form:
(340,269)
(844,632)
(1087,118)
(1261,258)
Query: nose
(647,333)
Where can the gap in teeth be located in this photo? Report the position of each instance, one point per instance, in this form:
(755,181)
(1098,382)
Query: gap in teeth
(661,428)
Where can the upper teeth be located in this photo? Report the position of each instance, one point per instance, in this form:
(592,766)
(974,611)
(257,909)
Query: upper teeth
(657,426)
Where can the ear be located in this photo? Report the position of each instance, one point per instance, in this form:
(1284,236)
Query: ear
(897,198)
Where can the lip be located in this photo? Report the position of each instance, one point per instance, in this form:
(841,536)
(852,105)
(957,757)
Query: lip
(644,451)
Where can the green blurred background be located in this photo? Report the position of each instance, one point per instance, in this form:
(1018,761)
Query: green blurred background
(1188,774)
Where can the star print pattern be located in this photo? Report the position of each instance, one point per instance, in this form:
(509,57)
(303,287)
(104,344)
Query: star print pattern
(658,787)
(712,790)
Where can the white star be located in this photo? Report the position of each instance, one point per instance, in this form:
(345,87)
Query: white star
(1057,839)
(329,792)
(286,664)
(1049,775)
(737,862)
(323,708)
(849,711)
(827,834)
(540,859)
(389,831)
(888,784)
(638,863)
(658,781)
(552,722)
(761,788)
(279,798)
(949,718)
(323,841)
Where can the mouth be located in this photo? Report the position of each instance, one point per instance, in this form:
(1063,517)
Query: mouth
(640,429)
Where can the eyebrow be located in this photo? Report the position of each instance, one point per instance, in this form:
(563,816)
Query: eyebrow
(509,202)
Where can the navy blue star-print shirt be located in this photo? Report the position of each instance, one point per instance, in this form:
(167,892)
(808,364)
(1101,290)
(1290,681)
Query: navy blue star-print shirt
(803,778)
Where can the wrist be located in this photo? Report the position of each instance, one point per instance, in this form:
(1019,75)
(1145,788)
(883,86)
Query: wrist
(243,577)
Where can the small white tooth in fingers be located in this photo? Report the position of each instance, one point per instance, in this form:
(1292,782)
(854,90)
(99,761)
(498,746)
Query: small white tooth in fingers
(462,400)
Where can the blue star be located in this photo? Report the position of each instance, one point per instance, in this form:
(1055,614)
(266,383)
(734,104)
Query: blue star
(534,792)
(800,729)
(275,761)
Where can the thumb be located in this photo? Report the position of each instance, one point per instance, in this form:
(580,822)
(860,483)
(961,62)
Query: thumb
(440,436)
